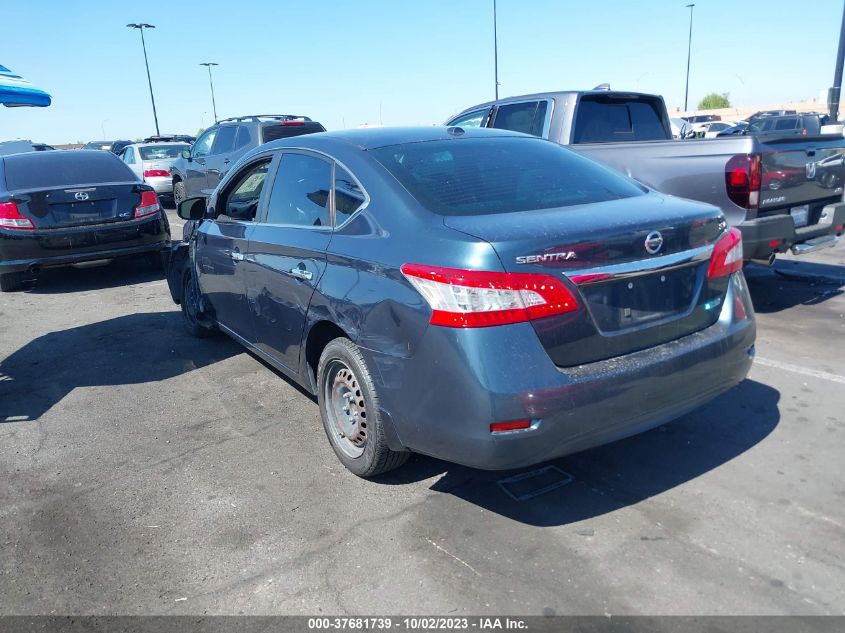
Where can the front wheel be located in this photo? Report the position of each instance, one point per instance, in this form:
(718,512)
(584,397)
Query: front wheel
(191,309)
(349,408)
(179,193)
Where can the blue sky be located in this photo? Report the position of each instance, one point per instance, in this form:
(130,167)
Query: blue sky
(398,62)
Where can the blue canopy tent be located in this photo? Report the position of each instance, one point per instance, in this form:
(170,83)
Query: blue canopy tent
(17,91)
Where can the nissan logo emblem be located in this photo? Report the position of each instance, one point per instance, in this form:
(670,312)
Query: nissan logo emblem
(653,242)
(81,196)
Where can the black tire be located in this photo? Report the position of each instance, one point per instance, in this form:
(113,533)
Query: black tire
(179,193)
(9,282)
(190,309)
(341,358)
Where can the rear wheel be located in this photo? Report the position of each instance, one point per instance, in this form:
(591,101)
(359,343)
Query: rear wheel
(349,408)
(191,309)
(9,282)
(179,193)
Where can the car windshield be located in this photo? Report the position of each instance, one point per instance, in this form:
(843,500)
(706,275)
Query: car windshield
(500,175)
(160,152)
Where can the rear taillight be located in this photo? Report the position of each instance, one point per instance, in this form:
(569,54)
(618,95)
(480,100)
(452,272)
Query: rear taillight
(11,218)
(727,255)
(156,173)
(475,298)
(742,180)
(515,425)
(149,205)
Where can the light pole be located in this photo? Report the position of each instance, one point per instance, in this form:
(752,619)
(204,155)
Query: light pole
(689,55)
(141,28)
(211,83)
(495,52)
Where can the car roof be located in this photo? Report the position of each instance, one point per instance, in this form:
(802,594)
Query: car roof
(557,94)
(372,138)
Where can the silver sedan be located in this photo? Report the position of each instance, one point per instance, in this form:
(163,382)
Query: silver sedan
(151,162)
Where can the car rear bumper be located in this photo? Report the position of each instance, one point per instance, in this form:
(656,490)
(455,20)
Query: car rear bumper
(162,186)
(759,235)
(25,250)
(441,400)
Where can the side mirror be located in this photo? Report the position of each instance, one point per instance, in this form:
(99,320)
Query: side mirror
(192,209)
(186,154)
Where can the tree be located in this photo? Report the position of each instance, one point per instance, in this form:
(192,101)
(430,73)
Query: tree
(715,101)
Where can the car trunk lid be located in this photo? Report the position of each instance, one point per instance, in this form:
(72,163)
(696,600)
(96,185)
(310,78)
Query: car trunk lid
(79,206)
(638,267)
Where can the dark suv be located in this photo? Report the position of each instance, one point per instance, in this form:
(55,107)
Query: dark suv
(789,125)
(202,167)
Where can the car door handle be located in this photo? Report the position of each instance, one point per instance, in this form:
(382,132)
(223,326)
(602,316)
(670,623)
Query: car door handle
(300,273)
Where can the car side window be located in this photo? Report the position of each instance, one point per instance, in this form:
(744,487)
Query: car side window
(244,138)
(129,156)
(527,117)
(348,196)
(241,199)
(471,119)
(300,194)
(225,140)
(203,145)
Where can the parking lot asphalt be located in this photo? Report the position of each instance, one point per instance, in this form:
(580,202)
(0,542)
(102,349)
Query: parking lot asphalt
(146,472)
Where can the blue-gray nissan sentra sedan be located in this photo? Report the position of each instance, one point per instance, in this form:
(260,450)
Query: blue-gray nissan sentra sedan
(485,297)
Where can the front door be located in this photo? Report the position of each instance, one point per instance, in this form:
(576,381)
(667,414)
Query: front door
(287,254)
(222,247)
(195,170)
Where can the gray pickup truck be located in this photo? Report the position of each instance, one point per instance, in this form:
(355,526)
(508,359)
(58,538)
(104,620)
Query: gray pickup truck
(782,193)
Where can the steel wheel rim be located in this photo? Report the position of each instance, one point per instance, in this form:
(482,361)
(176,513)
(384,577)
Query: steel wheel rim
(345,409)
(190,302)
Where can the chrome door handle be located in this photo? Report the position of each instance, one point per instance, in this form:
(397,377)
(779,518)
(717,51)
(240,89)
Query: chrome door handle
(299,273)
(237,256)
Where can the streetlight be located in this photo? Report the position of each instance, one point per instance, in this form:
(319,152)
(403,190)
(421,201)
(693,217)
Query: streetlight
(495,52)
(689,54)
(211,83)
(141,28)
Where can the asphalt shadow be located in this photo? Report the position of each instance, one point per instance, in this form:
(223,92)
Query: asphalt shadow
(610,477)
(131,349)
(124,271)
(790,283)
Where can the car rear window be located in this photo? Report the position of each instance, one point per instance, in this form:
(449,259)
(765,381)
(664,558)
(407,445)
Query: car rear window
(43,170)
(500,175)
(605,119)
(275,131)
(160,152)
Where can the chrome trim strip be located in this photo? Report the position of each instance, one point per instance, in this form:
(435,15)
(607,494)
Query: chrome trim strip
(642,266)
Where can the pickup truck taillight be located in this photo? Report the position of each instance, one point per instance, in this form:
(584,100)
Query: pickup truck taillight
(149,205)
(727,255)
(11,218)
(476,298)
(742,180)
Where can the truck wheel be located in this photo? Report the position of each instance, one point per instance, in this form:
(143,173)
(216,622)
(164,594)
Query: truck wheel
(191,309)
(349,408)
(9,282)
(179,193)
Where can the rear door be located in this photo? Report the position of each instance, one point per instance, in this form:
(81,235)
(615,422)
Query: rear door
(218,161)
(287,253)
(222,246)
(131,158)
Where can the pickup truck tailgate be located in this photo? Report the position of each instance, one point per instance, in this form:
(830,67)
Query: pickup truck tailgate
(797,176)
